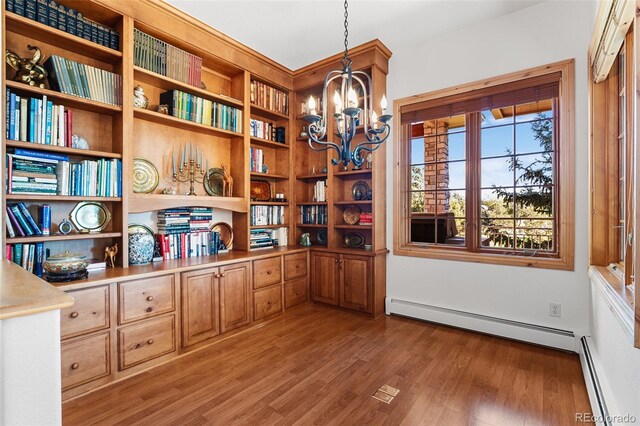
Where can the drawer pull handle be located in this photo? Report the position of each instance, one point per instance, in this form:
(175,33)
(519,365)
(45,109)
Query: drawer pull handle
(222,275)
(216,276)
(137,346)
(74,315)
(298,266)
(269,272)
(149,309)
(149,299)
(298,293)
(150,342)
(268,302)
(75,366)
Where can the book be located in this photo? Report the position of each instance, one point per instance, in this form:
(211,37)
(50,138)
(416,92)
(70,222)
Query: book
(53,14)
(40,154)
(22,221)
(17,254)
(42,12)
(31,259)
(19,7)
(30,8)
(10,230)
(32,223)
(38,259)
(45,219)
(14,221)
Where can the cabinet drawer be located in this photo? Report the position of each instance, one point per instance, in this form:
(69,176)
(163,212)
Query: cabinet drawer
(145,298)
(267,302)
(295,266)
(266,272)
(295,292)
(145,341)
(85,359)
(90,312)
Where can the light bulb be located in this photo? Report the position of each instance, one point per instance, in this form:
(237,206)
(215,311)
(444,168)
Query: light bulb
(352,98)
(312,105)
(383,104)
(374,119)
(337,100)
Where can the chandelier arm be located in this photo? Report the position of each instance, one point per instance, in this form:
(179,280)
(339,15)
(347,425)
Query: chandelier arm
(374,141)
(331,75)
(366,89)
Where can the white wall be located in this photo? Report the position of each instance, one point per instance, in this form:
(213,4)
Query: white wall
(541,34)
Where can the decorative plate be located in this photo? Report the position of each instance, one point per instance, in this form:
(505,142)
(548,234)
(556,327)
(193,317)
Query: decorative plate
(321,236)
(359,190)
(354,239)
(351,215)
(137,228)
(260,190)
(214,182)
(145,176)
(90,216)
(226,233)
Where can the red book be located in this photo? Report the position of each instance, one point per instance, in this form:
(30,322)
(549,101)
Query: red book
(9,252)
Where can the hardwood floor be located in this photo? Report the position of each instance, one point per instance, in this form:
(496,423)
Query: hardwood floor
(317,365)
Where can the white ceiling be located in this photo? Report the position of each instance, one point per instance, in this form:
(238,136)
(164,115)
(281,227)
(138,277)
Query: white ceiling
(296,33)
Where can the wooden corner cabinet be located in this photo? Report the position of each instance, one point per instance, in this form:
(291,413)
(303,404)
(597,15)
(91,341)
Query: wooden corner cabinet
(132,317)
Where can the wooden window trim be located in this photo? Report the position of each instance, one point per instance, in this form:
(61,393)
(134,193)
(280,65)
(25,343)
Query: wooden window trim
(566,168)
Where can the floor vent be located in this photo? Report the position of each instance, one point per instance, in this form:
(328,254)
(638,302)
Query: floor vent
(386,394)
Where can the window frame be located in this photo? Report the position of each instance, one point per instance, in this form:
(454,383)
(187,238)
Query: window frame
(565,170)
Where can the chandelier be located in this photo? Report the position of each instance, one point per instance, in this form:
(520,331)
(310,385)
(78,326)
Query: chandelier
(347,113)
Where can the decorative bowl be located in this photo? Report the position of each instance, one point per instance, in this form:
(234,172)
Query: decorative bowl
(141,245)
(65,263)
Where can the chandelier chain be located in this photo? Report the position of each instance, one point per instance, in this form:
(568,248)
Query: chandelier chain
(346,60)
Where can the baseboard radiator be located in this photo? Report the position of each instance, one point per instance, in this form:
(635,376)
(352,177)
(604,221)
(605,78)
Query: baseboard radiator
(596,398)
(546,336)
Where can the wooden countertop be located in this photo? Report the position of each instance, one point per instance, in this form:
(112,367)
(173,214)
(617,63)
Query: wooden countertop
(22,293)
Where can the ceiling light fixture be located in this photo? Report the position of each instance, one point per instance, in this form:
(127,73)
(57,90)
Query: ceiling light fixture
(347,114)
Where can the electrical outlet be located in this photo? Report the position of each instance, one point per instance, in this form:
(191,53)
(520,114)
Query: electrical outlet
(555,310)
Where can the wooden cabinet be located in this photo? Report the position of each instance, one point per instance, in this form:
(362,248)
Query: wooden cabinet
(267,272)
(325,278)
(146,340)
(90,312)
(295,292)
(295,266)
(85,359)
(200,305)
(267,302)
(355,282)
(235,297)
(145,298)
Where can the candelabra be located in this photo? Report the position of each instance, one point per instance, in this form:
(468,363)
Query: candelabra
(190,169)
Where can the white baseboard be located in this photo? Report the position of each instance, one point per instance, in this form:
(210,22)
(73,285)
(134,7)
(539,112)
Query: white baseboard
(596,397)
(546,336)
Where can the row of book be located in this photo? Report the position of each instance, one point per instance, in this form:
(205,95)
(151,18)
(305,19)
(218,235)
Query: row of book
(49,12)
(73,78)
(256,160)
(266,215)
(202,111)
(266,130)
(189,244)
(20,221)
(269,97)
(29,256)
(314,215)
(37,120)
(267,238)
(44,173)
(162,58)
(184,220)
(320,191)
(365,219)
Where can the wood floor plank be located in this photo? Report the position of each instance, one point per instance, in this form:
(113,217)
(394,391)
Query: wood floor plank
(316,365)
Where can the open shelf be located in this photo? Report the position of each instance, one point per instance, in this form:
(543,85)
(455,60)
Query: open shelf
(62,149)
(353,172)
(33,29)
(311,177)
(54,198)
(269,226)
(267,113)
(51,238)
(313,203)
(168,83)
(312,225)
(67,100)
(268,176)
(267,143)
(344,203)
(353,226)
(179,123)
(139,203)
(269,203)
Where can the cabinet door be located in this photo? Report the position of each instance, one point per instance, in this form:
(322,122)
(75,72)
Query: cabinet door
(324,277)
(200,306)
(235,299)
(355,282)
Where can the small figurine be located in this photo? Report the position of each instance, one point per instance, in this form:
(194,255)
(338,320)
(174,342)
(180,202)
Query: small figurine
(313,170)
(140,100)
(169,191)
(79,142)
(305,240)
(265,169)
(369,164)
(163,109)
(110,253)
(303,132)
(203,86)
(29,71)
(325,170)
(227,187)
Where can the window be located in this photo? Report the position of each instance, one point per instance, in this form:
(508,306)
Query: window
(484,169)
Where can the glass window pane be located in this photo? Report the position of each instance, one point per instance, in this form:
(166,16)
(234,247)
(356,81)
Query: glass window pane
(534,234)
(497,203)
(417,178)
(457,204)
(417,202)
(417,151)
(534,169)
(497,116)
(534,202)
(457,146)
(496,141)
(534,111)
(497,233)
(496,172)
(457,174)
(535,136)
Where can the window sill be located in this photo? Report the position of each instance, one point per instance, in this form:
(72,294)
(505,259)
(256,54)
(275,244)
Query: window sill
(617,296)
(488,258)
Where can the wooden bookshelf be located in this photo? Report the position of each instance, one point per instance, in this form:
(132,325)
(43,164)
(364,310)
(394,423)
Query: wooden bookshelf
(269,176)
(20,197)
(179,123)
(267,113)
(349,202)
(139,203)
(353,172)
(267,143)
(62,149)
(284,225)
(312,177)
(68,237)
(269,203)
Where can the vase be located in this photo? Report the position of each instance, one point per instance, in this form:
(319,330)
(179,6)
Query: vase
(140,248)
